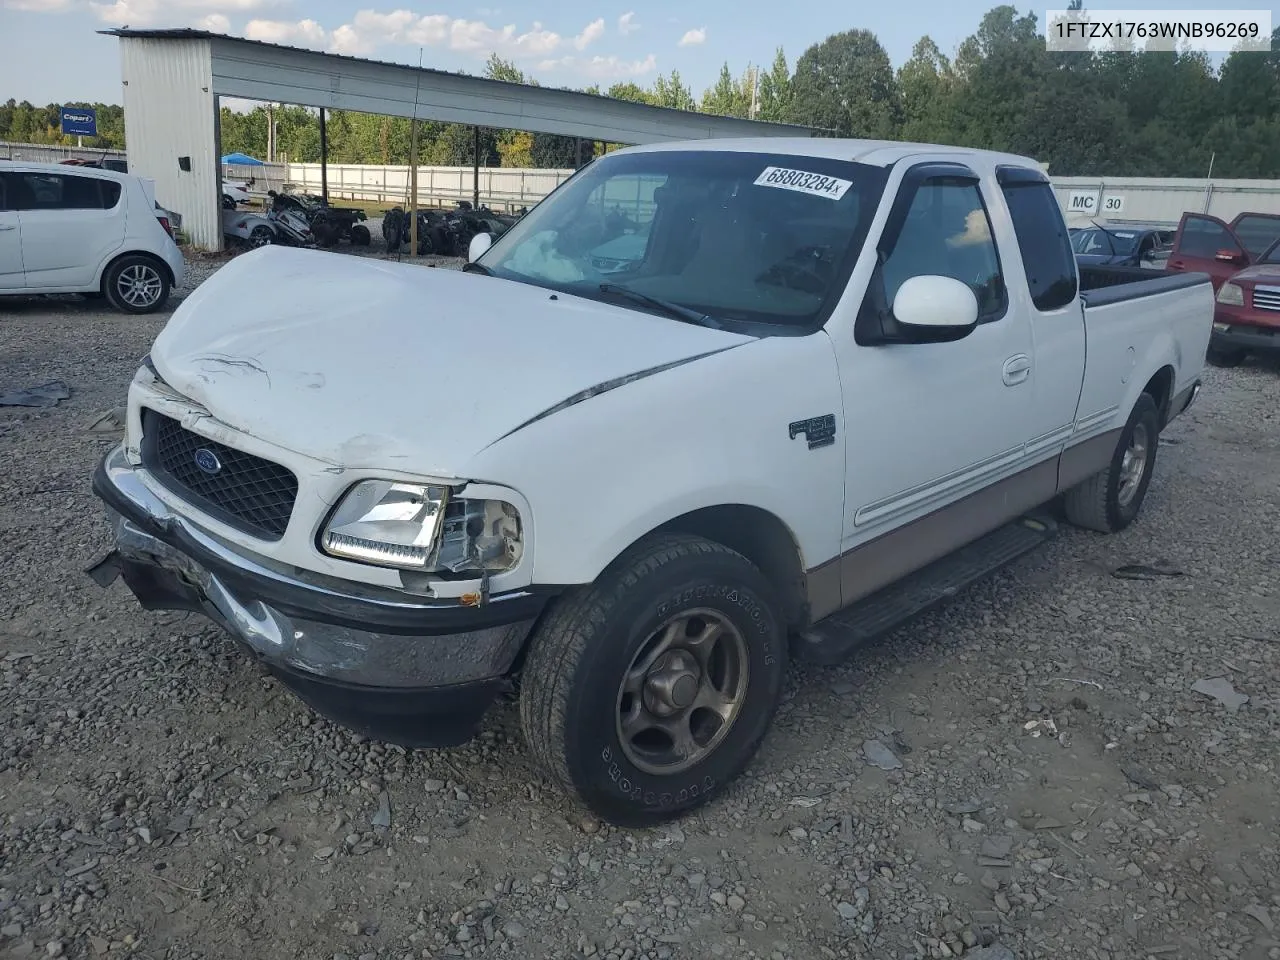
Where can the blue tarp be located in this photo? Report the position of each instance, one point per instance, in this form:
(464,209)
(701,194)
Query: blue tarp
(241,159)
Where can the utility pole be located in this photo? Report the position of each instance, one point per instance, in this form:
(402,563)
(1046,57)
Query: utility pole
(271,133)
(755,93)
(413,188)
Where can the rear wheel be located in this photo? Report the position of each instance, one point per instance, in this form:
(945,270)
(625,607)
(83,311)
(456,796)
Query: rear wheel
(426,245)
(360,235)
(261,236)
(647,692)
(136,284)
(1225,356)
(1110,500)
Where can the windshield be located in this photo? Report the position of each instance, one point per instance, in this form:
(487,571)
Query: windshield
(749,237)
(1093,240)
(1272,254)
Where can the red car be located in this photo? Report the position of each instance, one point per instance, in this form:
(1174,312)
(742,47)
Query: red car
(1246,318)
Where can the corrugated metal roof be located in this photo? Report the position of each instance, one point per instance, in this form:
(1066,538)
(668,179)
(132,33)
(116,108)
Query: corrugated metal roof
(483,83)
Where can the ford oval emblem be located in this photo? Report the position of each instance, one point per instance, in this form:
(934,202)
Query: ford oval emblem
(208,461)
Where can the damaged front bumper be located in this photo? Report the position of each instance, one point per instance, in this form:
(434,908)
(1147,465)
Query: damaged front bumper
(393,666)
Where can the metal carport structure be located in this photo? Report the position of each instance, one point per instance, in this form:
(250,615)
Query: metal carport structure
(173,80)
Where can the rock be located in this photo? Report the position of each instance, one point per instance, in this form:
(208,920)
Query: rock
(847,910)
(54,948)
(513,929)
(718,898)
(962,808)
(1002,903)
(878,755)
(11,930)
(971,826)
(994,952)
(1259,913)
(324,853)
(797,833)
(99,946)
(433,786)
(997,847)
(382,817)
(144,835)
(736,903)
(1220,689)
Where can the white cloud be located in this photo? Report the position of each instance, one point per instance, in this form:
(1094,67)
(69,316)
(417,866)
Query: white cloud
(303,33)
(602,68)
(695,37)
(627,23)
(142,13)
(592,32)
(39,6)
(215,23)
(370,29)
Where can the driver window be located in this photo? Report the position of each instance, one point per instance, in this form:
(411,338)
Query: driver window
(947,233)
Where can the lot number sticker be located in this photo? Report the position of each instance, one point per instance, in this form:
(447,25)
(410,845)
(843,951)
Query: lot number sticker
(815,184)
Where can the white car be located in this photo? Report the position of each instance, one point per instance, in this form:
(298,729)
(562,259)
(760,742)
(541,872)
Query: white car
(69,229)
(837,384)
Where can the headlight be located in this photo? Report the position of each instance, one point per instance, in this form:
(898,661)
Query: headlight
(424,528)
(1231,294)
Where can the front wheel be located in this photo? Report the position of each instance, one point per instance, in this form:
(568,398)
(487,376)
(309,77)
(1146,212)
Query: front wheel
(1110,500)
(136,284)
(647,692)
(360,235)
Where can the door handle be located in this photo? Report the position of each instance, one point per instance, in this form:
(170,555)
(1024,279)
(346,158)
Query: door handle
(1177,264)
(1016,369)
(8,226)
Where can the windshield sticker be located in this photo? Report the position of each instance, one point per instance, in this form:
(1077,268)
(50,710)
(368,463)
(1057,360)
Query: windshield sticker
(814,184)
(1126,236)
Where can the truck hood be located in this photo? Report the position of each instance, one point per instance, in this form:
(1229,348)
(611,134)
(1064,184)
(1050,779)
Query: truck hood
(1260,273)
(372,364)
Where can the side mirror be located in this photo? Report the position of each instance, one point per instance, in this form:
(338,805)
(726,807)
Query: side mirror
(479,244)
(936,308)
(1229,256)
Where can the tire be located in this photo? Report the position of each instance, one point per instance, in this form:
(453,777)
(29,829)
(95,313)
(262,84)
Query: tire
(426,245)
(1110,500)
(391,234)
(325,231)
(360,235)
(261,236)
(1225,356)
(574,696)
(136,283)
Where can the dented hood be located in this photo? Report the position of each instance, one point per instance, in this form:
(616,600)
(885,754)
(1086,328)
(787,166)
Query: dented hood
(368,363)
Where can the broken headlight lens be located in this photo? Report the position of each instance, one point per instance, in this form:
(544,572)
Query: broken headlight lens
(423,528)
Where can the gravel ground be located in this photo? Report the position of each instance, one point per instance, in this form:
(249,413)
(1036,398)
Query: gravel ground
(1057,787)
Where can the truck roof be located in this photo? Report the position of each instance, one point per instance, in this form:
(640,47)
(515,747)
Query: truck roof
(880,153)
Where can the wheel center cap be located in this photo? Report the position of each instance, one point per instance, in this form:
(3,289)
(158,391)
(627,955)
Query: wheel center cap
(672,683)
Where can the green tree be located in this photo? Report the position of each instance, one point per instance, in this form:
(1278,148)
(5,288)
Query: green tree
(775,90)
(729,97)
(845,85)
(926,85)
(671,92)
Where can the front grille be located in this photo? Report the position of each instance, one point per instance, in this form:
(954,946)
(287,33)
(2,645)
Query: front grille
(1266,298)
(244,491)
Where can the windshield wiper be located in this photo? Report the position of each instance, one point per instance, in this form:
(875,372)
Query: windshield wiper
(472,267)
(673,310)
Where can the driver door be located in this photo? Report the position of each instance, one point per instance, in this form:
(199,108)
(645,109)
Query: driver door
(937,431)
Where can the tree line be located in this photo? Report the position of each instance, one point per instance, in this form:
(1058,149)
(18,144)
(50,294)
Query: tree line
(1120,112)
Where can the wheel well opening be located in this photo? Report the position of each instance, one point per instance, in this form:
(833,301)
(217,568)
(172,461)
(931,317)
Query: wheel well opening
(102,284)
(760,537)
(1161,389)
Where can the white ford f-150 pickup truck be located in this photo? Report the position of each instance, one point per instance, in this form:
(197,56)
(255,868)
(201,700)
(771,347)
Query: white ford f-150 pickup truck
(708,408)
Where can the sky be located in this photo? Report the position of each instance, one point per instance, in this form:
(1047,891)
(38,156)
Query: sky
(50,51)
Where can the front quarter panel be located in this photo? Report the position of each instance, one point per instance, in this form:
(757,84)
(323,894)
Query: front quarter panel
(601,474)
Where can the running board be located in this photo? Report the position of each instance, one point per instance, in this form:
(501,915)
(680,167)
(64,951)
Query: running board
(830,641)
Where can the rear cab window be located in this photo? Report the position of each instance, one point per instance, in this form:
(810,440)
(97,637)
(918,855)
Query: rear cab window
(1043,239)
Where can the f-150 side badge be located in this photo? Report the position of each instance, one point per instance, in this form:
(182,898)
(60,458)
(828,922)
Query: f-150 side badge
(819,431)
